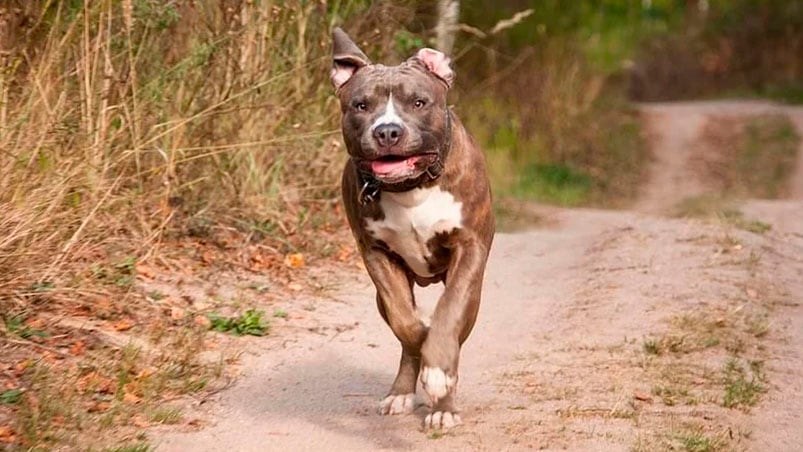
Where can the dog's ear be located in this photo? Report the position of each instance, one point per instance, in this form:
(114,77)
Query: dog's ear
(346,58)
(437,63)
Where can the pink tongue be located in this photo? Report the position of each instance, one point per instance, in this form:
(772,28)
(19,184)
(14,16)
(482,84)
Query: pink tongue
(393,166)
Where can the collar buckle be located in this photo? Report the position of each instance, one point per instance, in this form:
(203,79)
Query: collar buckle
(368,193)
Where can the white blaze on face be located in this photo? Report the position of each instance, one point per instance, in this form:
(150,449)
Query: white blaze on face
(412,218)
(389,116)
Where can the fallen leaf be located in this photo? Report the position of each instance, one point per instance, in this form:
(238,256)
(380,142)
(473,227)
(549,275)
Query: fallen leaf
(144,271)
(95,407)
(122,325)
(344,254)
(131,399)
(202,321)
(7,434)
(78,348)
(177,313)
(642,396)
(294,260)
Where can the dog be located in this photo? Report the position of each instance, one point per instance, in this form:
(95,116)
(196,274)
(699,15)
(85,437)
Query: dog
(418,201)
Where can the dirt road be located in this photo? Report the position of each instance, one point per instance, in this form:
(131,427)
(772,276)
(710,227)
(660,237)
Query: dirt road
(606,330)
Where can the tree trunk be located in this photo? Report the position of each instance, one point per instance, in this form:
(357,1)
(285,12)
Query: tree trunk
(448,15)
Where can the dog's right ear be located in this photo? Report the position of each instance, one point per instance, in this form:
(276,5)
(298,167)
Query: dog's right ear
(346,58)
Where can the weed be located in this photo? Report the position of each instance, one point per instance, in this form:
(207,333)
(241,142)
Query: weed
(651,347)
(16,325)
(280,314)
(155,295)
(741,389)
(698,443)
(10,396)
(713,206)
(758,326)
(250,323)
(43,286)
(672,395)
(166,415)
(135,447)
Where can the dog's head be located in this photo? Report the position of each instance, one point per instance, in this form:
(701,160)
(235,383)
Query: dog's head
(395,120)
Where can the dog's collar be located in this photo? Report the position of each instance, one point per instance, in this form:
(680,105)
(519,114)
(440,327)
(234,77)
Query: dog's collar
(370,187)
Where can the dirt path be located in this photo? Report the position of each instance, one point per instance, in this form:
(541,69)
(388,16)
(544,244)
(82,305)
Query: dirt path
(605,331)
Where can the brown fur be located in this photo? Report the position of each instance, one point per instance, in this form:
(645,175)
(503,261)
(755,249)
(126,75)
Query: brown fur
(458,256)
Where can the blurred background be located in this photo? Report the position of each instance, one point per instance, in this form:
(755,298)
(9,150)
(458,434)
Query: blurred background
(136,118)
(125,122)
(141,138)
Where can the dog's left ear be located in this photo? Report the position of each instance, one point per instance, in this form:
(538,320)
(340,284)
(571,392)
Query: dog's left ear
(346,58)
(437,63)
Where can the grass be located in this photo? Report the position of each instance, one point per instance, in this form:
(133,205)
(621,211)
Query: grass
(582,146)
(695,442)
(751,157)
(743,384)
(280,314)
(135,447)
(716,207)
(166,415)
(767,155)
(248,323)
(671,395)
(126,130)
(10,396)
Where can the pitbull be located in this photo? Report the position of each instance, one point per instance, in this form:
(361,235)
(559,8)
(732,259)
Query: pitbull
(418,201)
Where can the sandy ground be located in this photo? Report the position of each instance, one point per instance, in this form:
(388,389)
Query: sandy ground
(558,359)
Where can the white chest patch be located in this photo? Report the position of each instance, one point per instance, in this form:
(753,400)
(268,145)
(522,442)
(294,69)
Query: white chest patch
(412,218)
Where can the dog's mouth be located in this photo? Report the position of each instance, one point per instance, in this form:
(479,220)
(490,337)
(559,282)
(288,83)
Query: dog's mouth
(393,168)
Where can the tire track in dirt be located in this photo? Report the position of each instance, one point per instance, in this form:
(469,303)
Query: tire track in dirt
(557,360)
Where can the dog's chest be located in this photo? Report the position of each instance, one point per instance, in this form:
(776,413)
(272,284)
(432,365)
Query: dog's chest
(412,218)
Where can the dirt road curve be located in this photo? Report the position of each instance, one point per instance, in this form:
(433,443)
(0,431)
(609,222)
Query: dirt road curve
(606,330)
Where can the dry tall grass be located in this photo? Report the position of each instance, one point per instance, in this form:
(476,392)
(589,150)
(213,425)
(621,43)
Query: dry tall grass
(123,120)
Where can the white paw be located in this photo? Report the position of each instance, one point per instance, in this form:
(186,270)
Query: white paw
(397,404)
(442,420)
(436,383)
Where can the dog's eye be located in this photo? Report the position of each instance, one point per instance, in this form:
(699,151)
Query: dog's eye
(361,106)
(419,103)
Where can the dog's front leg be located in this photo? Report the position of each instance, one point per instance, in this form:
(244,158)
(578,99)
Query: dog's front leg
(451,324)
(394,298)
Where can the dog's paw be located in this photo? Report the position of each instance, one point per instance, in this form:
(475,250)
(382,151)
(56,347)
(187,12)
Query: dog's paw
(436,383)
(397,404)
(442,420)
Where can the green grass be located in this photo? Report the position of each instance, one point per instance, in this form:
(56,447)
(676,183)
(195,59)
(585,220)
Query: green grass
(595,156)
(10,396)
(743,387)
(553,183)
(248,323)
(16,325)
(698,443)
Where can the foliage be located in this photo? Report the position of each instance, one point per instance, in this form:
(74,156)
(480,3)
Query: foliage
(250,322)
(741,47)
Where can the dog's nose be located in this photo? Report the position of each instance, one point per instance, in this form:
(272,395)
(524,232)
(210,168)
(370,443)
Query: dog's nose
(388,135)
